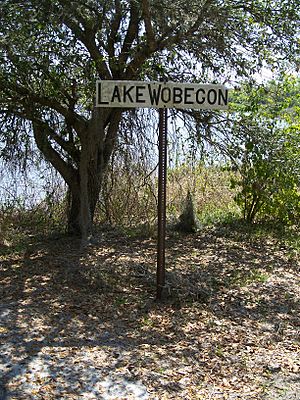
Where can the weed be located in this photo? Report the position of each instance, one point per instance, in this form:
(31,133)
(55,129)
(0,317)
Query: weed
(219,352)
(146,321)
(119,301)
(246,277)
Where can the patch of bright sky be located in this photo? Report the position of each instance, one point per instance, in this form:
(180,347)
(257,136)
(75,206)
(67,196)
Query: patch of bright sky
(264,75)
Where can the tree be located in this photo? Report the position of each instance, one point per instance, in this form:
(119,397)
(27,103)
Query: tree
(266,150)
(53,51)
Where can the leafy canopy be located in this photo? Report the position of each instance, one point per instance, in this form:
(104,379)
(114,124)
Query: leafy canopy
(53,51)
(46,46)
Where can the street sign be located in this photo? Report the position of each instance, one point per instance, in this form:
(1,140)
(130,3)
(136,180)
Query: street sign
(161,95)
(133,94)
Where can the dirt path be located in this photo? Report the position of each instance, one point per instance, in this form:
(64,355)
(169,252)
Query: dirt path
(87,326)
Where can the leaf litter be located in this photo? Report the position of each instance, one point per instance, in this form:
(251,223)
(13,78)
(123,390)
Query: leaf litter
(86,325)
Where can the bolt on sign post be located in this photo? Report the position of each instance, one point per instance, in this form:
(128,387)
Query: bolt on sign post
(161,95)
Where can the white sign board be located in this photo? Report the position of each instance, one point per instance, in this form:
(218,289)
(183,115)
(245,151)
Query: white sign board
(133,94)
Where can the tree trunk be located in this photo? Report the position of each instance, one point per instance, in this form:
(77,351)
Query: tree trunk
(85,212)
(73,211)
(84,174)
(96,149)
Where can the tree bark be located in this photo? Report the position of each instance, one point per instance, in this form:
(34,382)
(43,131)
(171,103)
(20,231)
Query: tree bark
(73,211)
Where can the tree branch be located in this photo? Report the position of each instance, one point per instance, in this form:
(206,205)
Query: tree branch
(25,96)
(111,135)
(166,40)
(115,24)
(87,37)
(148,25)
(40,131)
(132,33)
(135,65)
(67,146)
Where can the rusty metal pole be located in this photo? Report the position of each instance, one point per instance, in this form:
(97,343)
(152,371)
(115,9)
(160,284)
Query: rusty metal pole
(162,196)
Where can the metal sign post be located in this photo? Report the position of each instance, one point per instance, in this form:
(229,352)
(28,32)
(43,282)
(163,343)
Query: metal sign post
(161,206)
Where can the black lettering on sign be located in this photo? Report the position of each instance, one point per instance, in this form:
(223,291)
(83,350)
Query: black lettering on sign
(99,95)
(177,95)
(200,96)
(140,94)
(126,93)
(166,94)
(154,94)
(212,96)
(223,97)
(116,95)
(187,95)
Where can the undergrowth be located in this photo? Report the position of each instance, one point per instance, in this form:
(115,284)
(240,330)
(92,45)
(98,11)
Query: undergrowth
(133,211)
(20,225)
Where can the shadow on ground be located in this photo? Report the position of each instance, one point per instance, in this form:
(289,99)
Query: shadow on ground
(78,325)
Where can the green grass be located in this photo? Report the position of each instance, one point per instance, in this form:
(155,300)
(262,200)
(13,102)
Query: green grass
(244,278)
(213,216)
